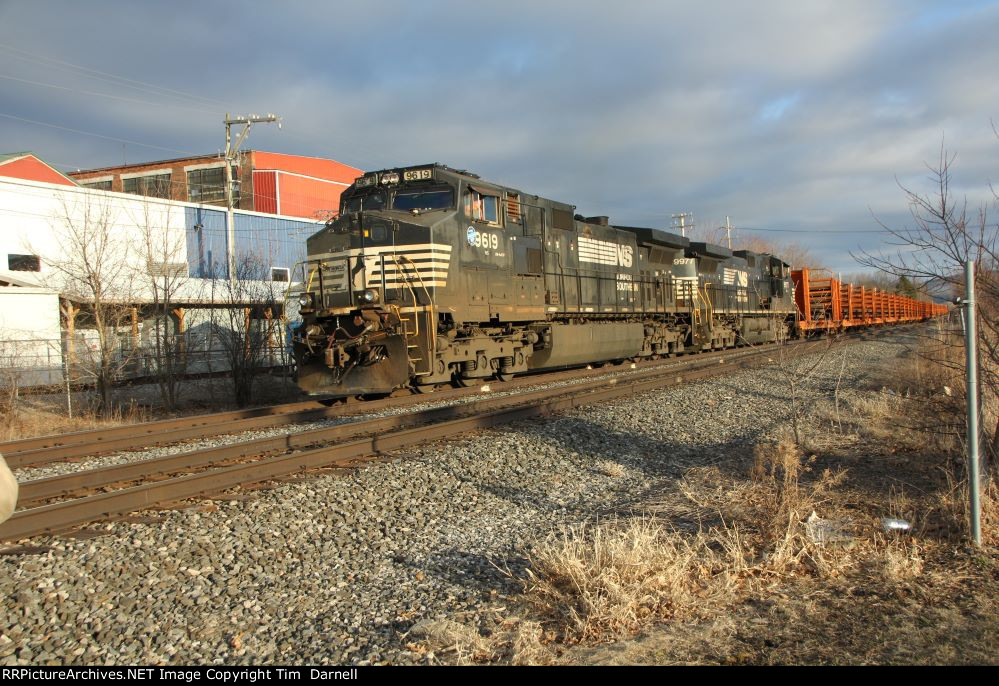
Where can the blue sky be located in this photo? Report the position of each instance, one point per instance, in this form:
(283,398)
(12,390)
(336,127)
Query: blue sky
(798,120)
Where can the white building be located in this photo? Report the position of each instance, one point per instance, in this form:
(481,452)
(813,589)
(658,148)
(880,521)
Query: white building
(139,245)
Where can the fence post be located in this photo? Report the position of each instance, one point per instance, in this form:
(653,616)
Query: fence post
(971,364)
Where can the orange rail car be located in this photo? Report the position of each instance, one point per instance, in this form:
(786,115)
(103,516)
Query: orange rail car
(825,303)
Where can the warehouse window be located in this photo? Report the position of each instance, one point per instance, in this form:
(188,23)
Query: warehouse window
(98,185)
(24,263)
(280,274)
(208,185)
(154,185)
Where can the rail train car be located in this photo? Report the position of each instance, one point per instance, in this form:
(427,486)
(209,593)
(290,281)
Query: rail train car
(827,304)
(430,275)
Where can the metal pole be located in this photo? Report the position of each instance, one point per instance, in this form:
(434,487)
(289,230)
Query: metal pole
(971,350)
(231,152)
(728,231)
(230,227)
(65,374)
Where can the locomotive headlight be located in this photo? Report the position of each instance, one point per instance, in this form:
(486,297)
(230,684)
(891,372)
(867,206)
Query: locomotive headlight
(305,301)
(390,178)
(368,296)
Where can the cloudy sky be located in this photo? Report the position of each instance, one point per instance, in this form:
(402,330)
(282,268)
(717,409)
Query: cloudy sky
(797,119)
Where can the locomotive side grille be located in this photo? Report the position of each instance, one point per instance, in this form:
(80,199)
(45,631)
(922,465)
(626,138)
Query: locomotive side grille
(599,252)
(513,207)
(561,219)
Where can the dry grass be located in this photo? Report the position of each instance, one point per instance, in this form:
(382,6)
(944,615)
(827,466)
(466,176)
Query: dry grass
(782,504)
(781,555)
(528,645)
(903,558)
(27,421)
(612,579)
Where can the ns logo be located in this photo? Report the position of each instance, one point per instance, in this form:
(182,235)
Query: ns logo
(624,255)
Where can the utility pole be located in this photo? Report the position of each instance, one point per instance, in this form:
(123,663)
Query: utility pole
(680,222)
(728,231)
(231,152)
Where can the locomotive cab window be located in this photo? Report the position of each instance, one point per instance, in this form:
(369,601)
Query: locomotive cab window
(482,205)
(423,199)
(373,200)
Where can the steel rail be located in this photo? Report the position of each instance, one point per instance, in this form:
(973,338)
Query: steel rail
(40,490)
(100,437)
(47,449)
(62,515)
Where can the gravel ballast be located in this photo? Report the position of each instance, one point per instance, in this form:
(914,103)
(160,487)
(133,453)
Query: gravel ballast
(337,569)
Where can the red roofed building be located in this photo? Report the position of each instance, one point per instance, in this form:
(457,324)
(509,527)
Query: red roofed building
(24,165)
(275,183)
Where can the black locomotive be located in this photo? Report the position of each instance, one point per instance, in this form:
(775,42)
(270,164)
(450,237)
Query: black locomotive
(430,275)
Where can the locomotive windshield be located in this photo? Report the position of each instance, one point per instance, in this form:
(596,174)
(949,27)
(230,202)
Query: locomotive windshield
(370,200)
(423,200)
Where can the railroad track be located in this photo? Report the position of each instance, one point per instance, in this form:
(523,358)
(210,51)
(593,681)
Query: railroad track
(216,469)
(33,452)
(59,503)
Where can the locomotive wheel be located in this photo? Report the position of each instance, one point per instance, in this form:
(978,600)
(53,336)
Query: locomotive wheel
(425,388)
(504,377)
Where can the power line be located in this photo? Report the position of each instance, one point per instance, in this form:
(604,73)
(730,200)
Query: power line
(102,95)
(170,93)
(814,232)
(97,135)
(100,75)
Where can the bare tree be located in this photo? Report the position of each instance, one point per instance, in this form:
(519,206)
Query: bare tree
(10,380)
(791,252)
(164,252)
(871,279)
(247,327)
(796,367)
(931,254)
(93,268)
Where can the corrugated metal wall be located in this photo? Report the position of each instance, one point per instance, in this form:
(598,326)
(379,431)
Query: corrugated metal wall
(206,243)
(270,242)
(265,191)
(262,243)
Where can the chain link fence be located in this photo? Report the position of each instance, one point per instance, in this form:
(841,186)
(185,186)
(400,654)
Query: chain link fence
(28,364)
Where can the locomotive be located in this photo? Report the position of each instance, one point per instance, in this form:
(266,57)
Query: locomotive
(430,275)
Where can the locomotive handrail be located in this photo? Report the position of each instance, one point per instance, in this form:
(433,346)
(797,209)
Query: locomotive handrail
(708,305)
(291,281)
(384,286)
(411,266)
(431,330)
(401,261)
